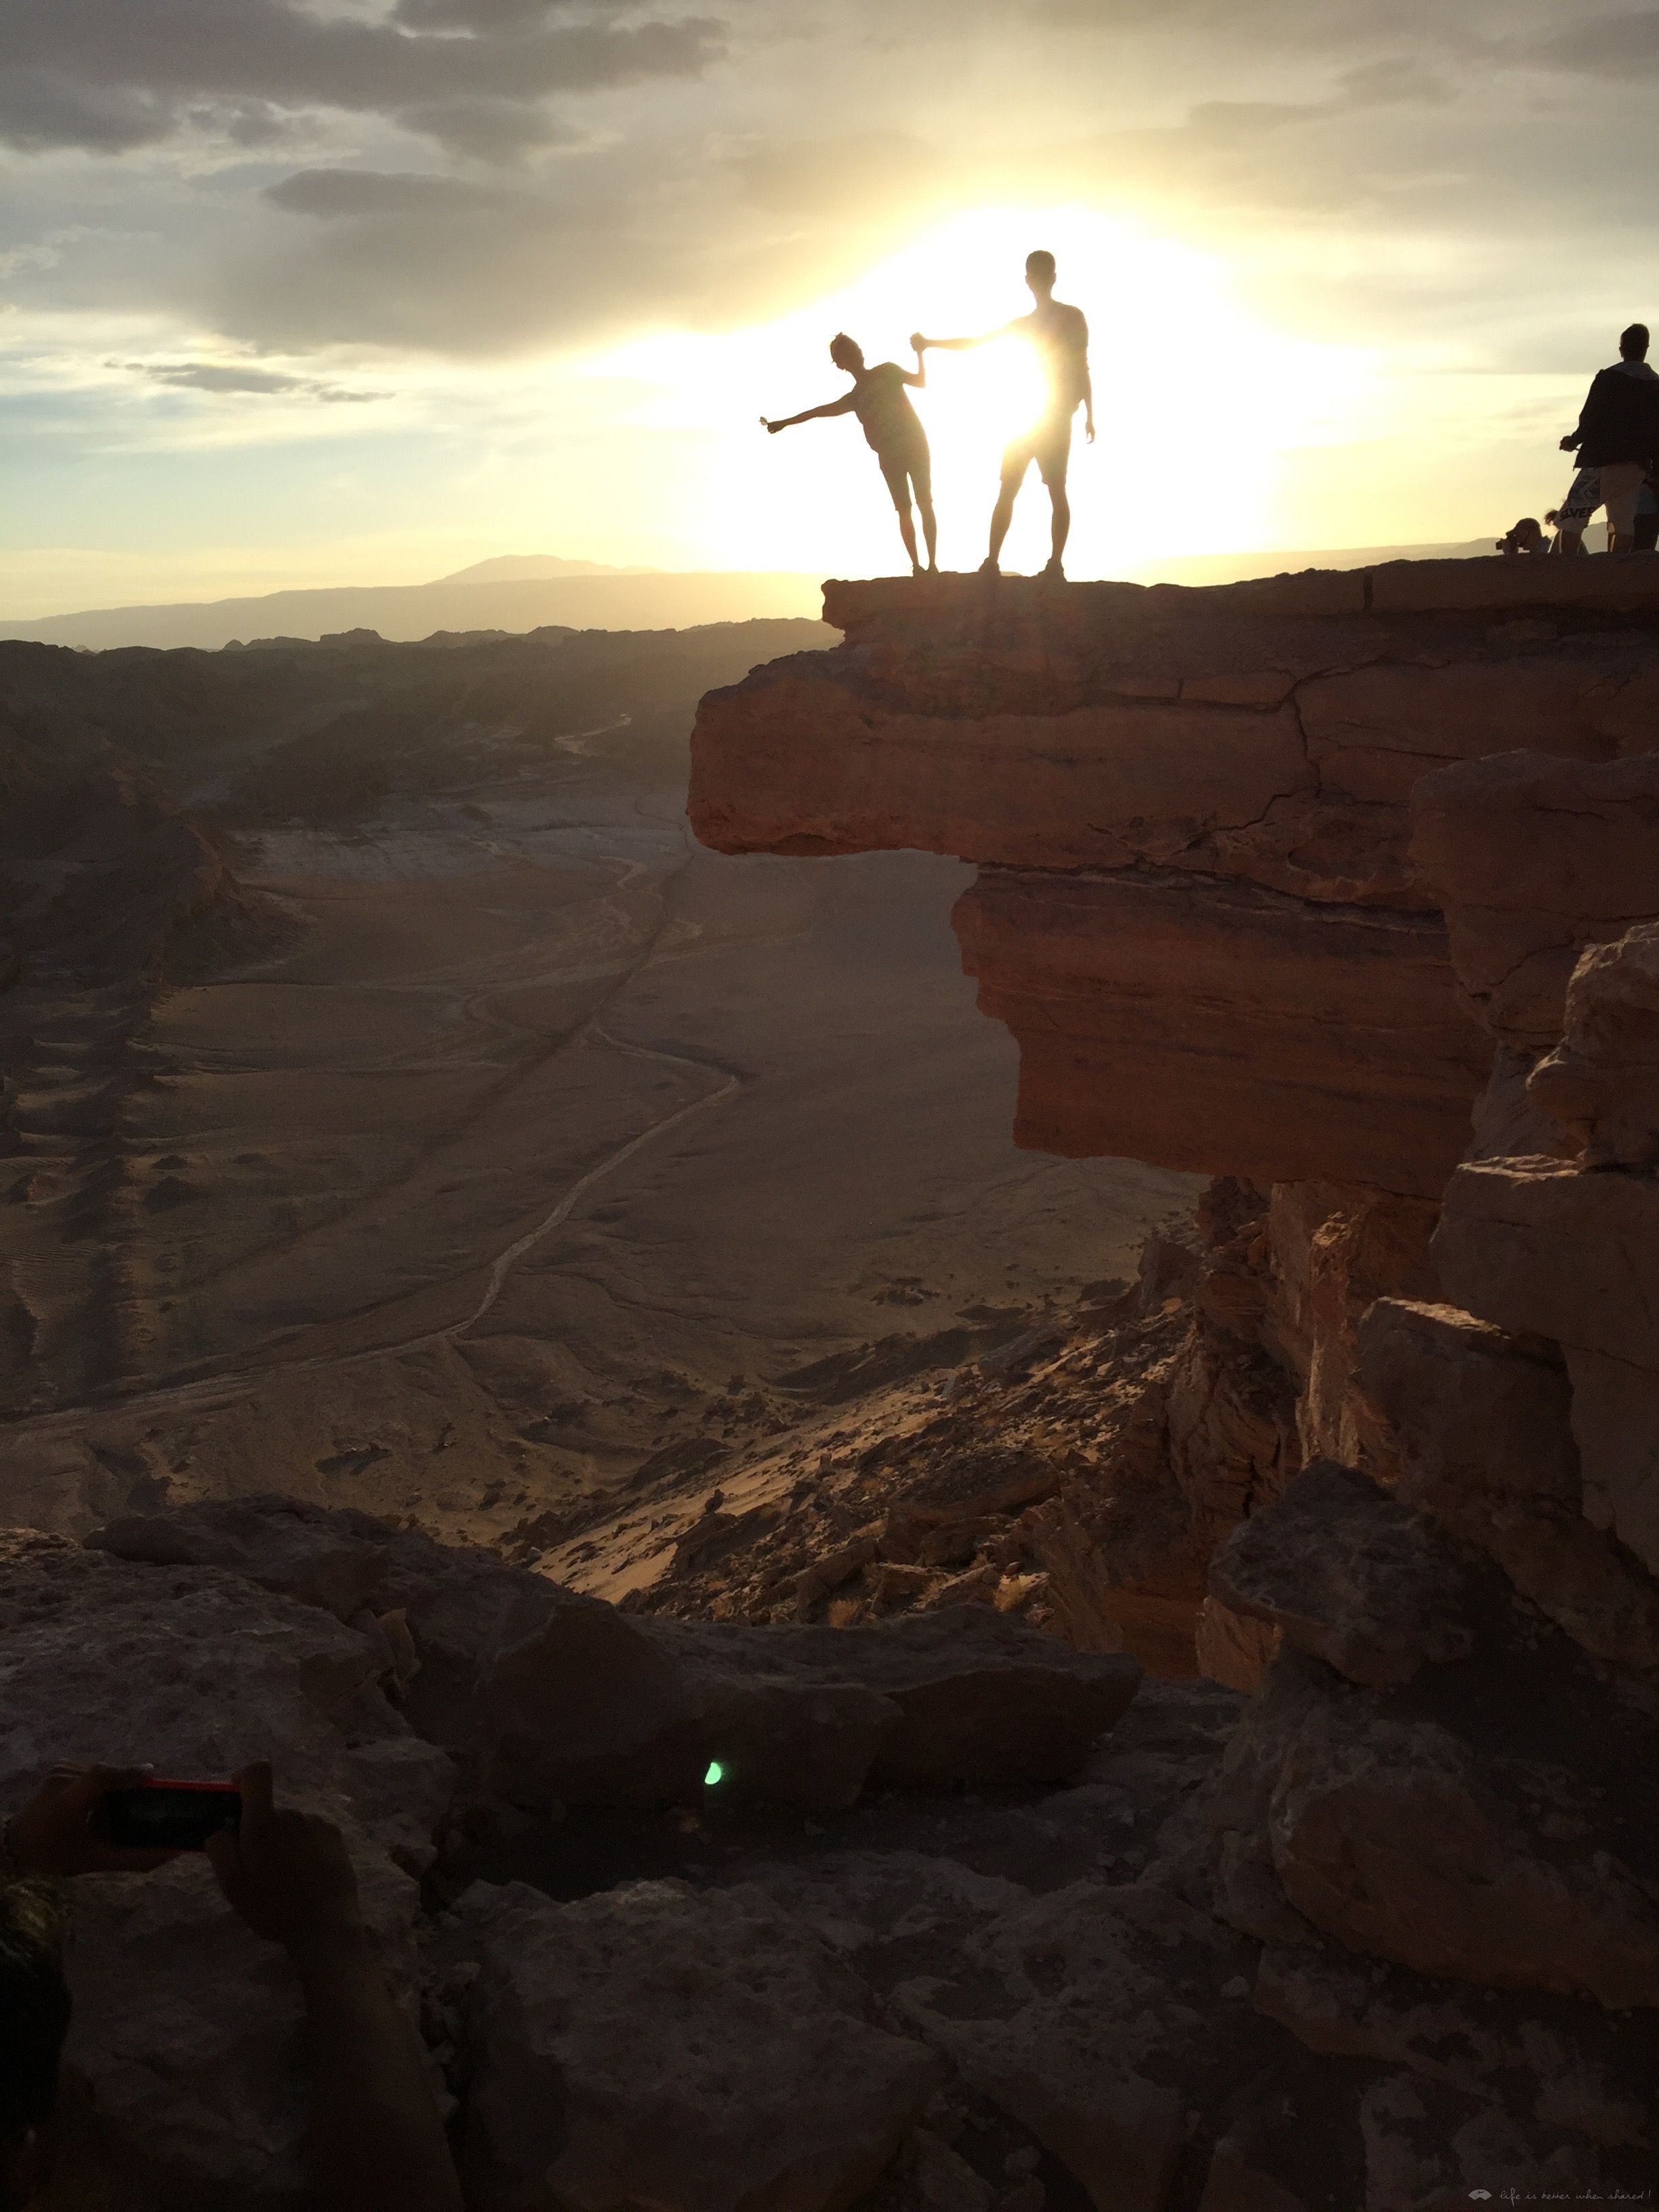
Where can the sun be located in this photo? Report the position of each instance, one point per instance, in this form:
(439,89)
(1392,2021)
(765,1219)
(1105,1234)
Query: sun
(1196,402)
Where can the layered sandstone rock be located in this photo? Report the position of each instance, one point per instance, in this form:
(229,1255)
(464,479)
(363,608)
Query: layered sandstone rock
(1198,910)
(1217,1025)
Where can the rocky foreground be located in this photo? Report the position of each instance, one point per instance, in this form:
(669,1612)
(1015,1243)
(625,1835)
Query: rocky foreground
(965,1923)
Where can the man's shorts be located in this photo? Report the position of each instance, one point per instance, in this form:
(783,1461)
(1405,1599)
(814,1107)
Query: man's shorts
(1622,487)
(1048,443)
(1583,497)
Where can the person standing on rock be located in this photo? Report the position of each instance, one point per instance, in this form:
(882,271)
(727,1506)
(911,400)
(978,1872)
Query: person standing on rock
(1058,336)
(1618,437)
(893,430)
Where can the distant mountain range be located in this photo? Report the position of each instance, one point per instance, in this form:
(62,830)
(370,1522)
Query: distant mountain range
(537,568)
(519,592)
(502,595)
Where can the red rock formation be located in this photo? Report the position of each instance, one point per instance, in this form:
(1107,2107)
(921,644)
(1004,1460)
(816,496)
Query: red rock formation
(1199,913)
(1214,1025)
(1273,879)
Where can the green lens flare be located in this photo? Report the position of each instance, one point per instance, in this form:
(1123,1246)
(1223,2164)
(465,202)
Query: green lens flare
(716,1773)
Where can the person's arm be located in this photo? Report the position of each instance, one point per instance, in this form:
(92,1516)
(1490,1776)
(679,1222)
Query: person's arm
(842,406)
(1571,444)
(1088,391)
(960,345)
(918,375)
(376,2141)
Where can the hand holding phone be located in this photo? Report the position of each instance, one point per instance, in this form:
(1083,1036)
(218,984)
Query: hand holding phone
(65,1829)
(153,1816)
(286,1873)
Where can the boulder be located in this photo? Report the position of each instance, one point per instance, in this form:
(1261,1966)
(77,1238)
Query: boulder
(1602,1082)
(1544,1249)
(331,1559)
(1483,1423)
(451,1598)
(554,1697)
(1388,1831)
(1478,1415)
(1235,2184)
(1094,2011)
(1571,2065)
(1533,857)
(653,2045)
(1429,2150)
(976,1695)
(1346,1572)
(576,1703)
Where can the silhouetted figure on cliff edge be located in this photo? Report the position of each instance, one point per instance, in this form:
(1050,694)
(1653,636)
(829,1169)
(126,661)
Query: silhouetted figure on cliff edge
(1618,437)
(1058,336)
(894,431)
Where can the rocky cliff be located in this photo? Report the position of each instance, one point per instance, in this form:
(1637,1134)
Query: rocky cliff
(1343,888)
(973,1919)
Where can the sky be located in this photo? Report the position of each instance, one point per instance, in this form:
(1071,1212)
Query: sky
(365,290)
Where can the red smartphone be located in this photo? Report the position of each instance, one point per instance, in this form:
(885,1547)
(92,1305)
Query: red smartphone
(171,1816)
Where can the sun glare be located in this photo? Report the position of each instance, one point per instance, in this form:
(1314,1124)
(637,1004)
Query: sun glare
(1196,402)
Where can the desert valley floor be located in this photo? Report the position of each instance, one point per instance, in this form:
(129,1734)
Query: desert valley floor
(527,1151)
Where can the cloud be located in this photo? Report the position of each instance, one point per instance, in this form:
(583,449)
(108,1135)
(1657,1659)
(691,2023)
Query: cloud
(341,194)
(672,191)
(230,377)
(110,75)
(1608,45)
(448,264)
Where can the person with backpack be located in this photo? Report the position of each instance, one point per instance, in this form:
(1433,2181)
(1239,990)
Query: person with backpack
(1617,436)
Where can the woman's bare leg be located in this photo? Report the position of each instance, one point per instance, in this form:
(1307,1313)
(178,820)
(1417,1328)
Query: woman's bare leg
(896,476)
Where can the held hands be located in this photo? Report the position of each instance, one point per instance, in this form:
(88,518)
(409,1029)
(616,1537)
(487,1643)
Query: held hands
(286,1874)
(772,428)
(62,1829)
(918,344)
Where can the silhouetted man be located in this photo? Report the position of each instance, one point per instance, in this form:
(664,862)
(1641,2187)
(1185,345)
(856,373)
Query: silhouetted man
(894,431)
(1617,436)
(1058,336)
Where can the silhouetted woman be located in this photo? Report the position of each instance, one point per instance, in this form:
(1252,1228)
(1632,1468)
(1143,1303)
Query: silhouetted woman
(881,402)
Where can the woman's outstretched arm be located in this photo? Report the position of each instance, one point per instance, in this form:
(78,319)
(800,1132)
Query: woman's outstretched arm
(843,406)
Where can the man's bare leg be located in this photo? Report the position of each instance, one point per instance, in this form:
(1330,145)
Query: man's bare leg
(929,527)
(1062,525)
(1001,515)
(1572,541)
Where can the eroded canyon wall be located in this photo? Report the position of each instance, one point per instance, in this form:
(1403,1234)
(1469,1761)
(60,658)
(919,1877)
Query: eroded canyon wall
(1346,890)
(1285,881)
(1198,911)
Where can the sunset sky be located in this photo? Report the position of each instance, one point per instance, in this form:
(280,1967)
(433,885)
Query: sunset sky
(365,290)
